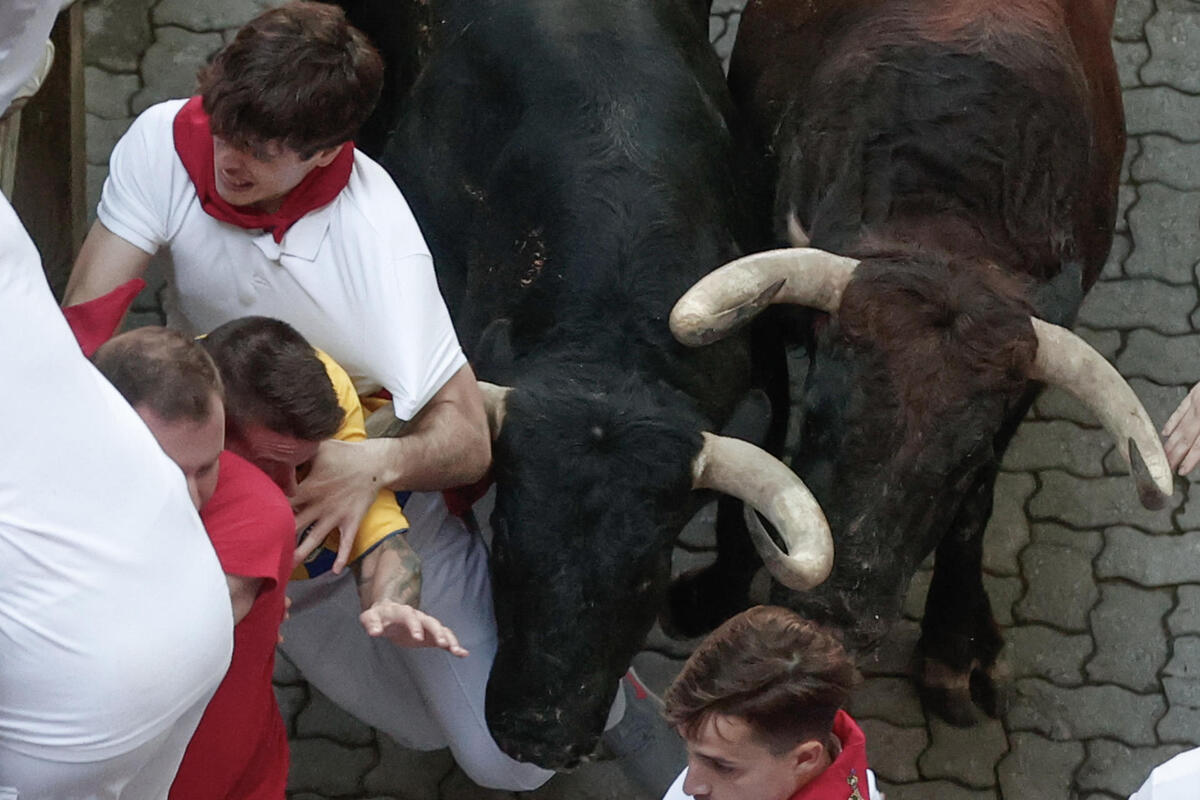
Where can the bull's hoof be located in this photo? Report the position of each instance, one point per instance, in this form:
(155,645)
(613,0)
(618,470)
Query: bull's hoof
(697,602)
(964,698)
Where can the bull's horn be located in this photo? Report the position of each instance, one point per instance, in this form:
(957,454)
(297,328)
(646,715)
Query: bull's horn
(495,398)
(1065,360)
(765,484)
(733,294)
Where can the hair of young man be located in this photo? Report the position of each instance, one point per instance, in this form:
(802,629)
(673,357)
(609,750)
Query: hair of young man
(784,675)
(299,75)
(163,370)
(273,378)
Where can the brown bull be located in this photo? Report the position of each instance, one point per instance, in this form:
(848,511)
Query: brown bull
(948,171)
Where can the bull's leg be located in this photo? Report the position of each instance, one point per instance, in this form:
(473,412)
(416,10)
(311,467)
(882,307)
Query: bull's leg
(960,641)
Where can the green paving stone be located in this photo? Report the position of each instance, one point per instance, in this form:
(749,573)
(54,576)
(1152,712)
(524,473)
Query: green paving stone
(1116,768)
(118,32)
(408,774)
(1095,503)
(892,700)
(968,755)
(1185,617)
(323,718)
(1060,588)
(1161,109)
(656,670)
(1037,651)
(1039,769)
(1056,444)
(1166,232)
(1181,724)
(1131,640)
(1165,160)
(1181,678)
(1150,559)
(1164,359)
(602,780)
(1084,712)
(327,768)
(1174,39)
(1139,303)
(892,751)
(934,790)
(457,786)
(1130,56)
(894,655)
(1003,593)
(1008,528)
(1131,15)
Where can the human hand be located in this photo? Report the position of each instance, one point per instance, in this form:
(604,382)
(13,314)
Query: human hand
(340,486)
(405,626)
(1182,434)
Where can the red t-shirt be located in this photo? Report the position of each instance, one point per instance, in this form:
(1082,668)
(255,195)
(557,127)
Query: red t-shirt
(240,749)
(846,777)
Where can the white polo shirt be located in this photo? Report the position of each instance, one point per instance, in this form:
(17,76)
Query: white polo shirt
(354,277)
(114,613)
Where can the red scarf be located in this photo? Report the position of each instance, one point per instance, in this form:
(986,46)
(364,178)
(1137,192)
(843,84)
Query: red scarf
(194,144)
(846,777)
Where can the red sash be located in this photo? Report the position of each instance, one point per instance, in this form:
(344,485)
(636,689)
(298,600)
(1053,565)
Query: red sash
(846,777)
(194,144)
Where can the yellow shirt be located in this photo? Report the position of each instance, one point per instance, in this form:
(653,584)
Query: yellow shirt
(384,517)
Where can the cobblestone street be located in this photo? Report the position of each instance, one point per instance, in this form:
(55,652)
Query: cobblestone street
(1099,598)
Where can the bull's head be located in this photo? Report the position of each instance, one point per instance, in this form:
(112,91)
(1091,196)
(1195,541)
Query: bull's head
(582,544)
(917,378)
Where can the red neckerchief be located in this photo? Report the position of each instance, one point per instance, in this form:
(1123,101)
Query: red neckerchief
(194,144)
(846,777)
(95,321)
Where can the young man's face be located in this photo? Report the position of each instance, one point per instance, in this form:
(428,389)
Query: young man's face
(195,446)
(262,178)
(274,453)
(728,761)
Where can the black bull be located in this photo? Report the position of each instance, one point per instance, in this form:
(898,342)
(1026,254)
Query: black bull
(571,164)
(964,156)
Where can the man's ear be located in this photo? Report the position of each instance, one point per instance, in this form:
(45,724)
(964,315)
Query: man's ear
(807,761)
(325,157)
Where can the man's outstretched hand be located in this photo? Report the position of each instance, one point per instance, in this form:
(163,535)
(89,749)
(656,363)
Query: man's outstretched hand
(405,626)
(1182,434)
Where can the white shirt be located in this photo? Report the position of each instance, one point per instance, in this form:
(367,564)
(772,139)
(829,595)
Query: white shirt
(676,791)
(1175,779)
(114,613)
(354,277)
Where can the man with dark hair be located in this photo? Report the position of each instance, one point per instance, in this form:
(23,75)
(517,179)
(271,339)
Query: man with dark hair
(760,705)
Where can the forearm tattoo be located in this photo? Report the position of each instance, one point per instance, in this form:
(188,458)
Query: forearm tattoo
(396,574)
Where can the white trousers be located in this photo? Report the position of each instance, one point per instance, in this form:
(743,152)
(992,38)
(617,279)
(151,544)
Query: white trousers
(144,773)
(425,699)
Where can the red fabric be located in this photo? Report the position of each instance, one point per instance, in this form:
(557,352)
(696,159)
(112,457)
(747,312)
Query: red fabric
(240,749)
(194,144)
(95,321)
(846,777)
(459,499)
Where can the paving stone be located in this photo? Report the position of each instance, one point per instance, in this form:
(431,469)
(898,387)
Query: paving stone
(1003,593)
(934,790)
(684,561)
(968,755)
(1165,160)
(107,94)
(1036,651)
(656,670)
(1164,359)
(1096,503)
(1131,16)
(659,642)
(1185,617)
(1130,57)
(118,31)
(892,700)
(327,768)
(1060,589)
(211,15)
(1057,444)
(1181,677)
(291,700)
(1174,39)
(1037,768)
(601,780)
(1160,109)
(1127,197)
(892,751)
(1166,232)
(102,135)
(724,45)
(914,598)
(1160,401)
(894,655)
(727,6)
(170,64)
(457,786)
(1113,268)
(1085,712)
(1131,641)
(1008,529)
(408,774)
(323,718)
(1117,768)
(1180,724)
(1139,303)
(1150,559)
(700,532)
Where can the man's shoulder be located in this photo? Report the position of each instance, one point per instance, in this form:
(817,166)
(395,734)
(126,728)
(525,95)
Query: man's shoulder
(157,119)
(372,201)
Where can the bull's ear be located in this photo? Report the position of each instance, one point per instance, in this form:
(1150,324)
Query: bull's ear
(493,354)
(1058,300)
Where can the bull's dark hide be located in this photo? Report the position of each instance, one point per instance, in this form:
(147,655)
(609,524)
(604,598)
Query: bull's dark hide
(968,153)
(570,163)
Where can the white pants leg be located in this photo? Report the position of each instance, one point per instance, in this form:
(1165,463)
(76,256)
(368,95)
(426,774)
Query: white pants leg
(423,698)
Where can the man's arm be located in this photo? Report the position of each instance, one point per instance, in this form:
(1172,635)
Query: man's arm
(446,445)
(105,262)
(243,592)
(389,586)
(1182,434)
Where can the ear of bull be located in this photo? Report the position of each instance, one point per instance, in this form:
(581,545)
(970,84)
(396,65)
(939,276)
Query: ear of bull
(1065,360)
(733,294)
(766,485)
(495,399)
